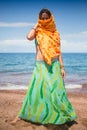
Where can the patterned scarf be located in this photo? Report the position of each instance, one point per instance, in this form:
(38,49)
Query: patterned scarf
(48,39)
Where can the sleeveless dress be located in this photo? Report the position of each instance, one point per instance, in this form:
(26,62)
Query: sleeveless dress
(46,100)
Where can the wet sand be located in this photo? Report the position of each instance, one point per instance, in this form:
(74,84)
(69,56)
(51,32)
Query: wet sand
(11,101)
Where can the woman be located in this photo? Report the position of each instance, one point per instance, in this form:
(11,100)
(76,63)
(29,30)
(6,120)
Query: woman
(46,100)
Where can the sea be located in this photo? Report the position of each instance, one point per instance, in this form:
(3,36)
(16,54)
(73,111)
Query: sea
(16,69)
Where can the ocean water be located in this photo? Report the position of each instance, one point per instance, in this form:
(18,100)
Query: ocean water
(16,69)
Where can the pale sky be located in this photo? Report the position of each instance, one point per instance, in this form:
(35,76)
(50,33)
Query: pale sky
(19,16)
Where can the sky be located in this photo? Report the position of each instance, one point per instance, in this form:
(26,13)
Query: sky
(17,17)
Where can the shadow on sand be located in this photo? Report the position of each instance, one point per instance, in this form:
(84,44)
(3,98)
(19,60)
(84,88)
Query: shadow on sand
(65,126)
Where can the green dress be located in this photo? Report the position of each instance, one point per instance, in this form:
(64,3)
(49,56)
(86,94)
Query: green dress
(46,99)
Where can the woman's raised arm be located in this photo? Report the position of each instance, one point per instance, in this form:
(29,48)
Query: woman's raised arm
(31,35)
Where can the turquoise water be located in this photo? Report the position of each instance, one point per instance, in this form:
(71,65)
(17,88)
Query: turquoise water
(17,68)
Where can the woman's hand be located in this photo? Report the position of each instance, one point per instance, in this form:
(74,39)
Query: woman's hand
(63,72)
(32,34)
(35,26)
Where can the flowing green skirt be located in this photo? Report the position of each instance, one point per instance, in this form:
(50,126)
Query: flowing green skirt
(46,100)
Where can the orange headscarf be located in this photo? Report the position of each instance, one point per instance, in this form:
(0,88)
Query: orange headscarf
(48,39)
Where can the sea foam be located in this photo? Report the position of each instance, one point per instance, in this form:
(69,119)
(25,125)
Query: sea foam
(9,86)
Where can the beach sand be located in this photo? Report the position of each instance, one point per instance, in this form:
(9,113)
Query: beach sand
(11,101)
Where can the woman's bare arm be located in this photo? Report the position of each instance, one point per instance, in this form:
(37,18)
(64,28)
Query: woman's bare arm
(62,66)
(31,35)
(61,60)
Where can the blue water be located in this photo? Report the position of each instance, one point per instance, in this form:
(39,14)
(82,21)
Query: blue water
(17,68)
(17,62)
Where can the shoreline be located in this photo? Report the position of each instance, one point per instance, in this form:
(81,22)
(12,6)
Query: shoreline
(70,87)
